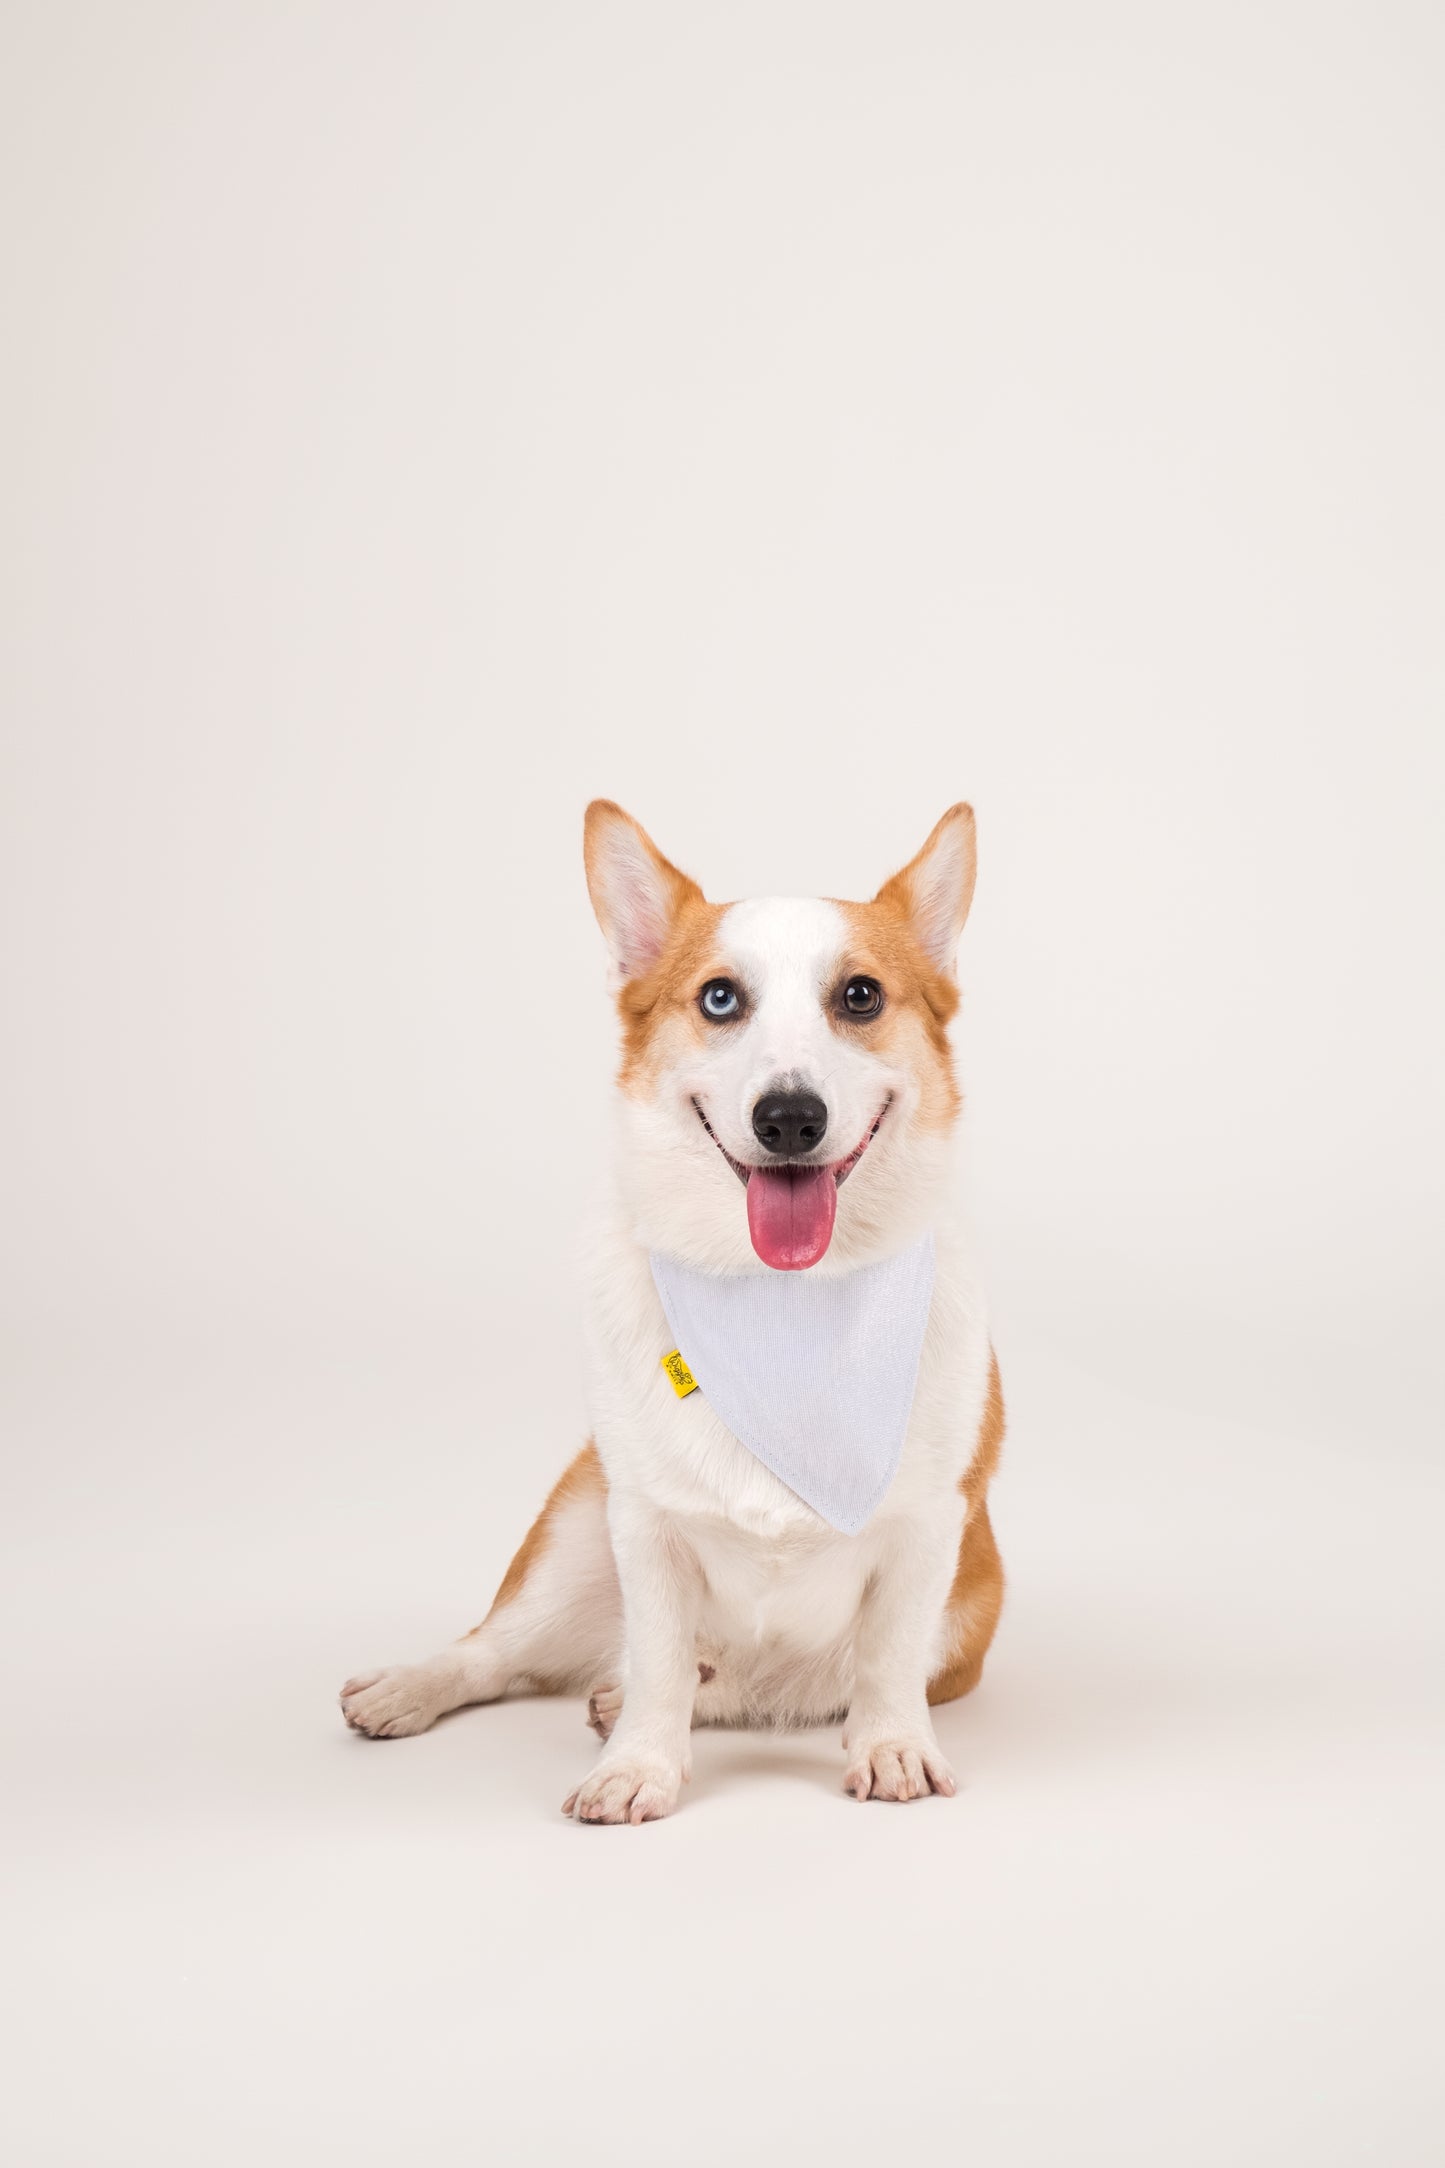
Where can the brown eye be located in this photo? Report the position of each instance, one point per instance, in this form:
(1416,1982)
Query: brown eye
(862,997)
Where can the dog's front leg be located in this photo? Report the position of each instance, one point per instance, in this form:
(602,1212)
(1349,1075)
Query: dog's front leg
(892,1752)
(648,1756)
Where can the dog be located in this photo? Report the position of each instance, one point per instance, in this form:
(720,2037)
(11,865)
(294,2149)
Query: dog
(779,1224)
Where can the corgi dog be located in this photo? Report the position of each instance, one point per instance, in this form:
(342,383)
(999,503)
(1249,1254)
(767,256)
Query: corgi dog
(785,1107)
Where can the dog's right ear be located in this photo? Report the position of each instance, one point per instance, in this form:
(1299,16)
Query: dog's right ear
(635,891)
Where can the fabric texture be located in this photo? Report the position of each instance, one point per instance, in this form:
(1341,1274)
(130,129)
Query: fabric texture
(814,1376)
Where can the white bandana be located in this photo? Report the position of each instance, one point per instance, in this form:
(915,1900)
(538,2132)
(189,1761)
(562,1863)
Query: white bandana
(814,1376)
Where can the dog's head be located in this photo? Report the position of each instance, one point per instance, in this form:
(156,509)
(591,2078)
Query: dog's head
(787,1084)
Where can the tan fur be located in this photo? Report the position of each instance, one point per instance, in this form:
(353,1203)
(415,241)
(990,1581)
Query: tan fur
(976,1597)
(900,893)
(581,1478)
(662,1000)
(918,1002)
(920,997)
(659,1007)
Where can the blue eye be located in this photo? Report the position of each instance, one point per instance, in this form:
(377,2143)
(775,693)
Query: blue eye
(719,1000)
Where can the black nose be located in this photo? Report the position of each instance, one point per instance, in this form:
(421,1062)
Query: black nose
(790,1122)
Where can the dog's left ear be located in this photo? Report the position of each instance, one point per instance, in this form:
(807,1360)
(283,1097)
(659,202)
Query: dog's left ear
(934,890)
(635,891)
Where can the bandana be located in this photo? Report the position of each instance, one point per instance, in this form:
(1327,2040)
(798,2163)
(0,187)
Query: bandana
(814,1376)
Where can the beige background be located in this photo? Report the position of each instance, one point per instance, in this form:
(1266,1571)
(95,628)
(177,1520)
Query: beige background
(785,419)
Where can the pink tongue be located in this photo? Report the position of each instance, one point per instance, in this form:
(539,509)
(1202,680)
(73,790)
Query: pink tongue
(790,1215)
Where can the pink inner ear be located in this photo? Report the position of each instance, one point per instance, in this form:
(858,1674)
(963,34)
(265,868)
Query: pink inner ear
(937,888)
(641,916)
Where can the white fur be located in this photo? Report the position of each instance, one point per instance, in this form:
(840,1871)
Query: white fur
(798,1621)
(704,1558)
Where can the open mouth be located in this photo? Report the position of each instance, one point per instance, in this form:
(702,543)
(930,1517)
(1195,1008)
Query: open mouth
(792,1207)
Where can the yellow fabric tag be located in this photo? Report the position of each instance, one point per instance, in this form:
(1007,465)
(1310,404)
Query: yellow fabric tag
(683,1381)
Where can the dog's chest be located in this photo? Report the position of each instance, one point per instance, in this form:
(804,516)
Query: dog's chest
(797,1588)
(816,1377)
(684,1459)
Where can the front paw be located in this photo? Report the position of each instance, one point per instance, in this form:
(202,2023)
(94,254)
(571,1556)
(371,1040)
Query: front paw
(630,1789)
(904,1766)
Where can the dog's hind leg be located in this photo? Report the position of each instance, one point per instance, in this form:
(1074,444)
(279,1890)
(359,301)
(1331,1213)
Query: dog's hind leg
(555,1626)
(976,1597)
(973,1608)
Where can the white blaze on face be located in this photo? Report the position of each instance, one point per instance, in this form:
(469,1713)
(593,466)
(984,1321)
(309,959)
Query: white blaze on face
(784,955)
(788,955)
(786,952)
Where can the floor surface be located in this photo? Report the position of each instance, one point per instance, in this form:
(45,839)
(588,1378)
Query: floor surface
(1184,1909)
